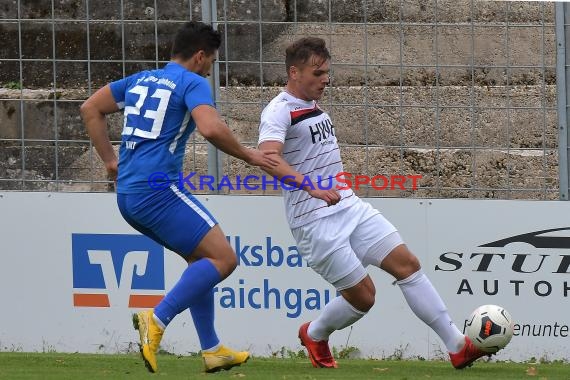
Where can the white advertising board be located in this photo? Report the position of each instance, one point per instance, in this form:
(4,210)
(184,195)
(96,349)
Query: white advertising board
(72,272)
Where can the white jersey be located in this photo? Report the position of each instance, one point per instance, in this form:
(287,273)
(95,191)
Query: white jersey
(310,147)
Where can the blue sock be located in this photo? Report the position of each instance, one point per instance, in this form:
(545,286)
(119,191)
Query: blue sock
(202,311)
(197,280)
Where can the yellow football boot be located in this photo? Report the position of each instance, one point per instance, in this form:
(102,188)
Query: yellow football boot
(150,335)
(224,358)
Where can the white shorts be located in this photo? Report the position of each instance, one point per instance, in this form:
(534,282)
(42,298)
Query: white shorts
(341,245)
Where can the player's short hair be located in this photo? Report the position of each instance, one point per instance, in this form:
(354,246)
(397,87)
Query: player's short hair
(194,36)
(299,52)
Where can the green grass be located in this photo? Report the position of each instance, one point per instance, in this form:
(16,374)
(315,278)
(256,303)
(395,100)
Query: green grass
(18,365)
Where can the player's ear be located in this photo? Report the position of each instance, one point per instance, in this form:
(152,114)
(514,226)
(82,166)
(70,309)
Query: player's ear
(293,72)
(200,56)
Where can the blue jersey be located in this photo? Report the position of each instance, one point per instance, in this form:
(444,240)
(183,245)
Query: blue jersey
(157,123)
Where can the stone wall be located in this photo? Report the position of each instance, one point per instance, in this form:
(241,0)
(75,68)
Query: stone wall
(456,115)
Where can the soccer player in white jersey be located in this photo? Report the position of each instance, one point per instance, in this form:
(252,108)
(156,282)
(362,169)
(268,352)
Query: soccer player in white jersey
(336,232)
(161,108)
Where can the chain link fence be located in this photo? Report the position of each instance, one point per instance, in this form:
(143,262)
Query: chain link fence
(462,92)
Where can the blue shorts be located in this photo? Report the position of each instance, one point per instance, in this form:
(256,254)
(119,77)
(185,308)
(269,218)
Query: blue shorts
(172,217)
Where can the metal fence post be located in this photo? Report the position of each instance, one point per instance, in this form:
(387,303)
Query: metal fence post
(562,85)
(209,16)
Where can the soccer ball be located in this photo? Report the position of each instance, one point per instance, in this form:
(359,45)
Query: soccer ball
(490,328)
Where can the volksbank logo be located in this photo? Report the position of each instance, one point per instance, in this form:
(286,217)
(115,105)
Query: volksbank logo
(116,270)
(537,263)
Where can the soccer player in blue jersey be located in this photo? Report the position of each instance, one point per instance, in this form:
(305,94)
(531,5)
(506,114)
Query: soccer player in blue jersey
(161,108)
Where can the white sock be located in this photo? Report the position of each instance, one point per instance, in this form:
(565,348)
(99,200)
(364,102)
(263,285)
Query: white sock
(336,315)
(158,322)
(213,349)
(426,303)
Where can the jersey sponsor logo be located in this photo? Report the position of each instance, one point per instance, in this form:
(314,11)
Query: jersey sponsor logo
(321,131)
(116,269)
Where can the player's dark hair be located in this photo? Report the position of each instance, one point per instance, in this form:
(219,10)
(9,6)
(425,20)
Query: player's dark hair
(194,36)
(300,51)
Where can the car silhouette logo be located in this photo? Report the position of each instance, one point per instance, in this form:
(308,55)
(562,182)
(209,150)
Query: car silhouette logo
(535,239)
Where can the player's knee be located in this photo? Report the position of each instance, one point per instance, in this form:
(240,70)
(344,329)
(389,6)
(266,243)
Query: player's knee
(225,265)
(362,304)
(369,295)
(232,262)
(407,268)
(367,303)
(229,263)
(402,265)
(413,264)
(361,298)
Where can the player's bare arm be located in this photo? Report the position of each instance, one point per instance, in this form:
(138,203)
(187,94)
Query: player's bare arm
(283,169)
(93,112)
(215,130)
